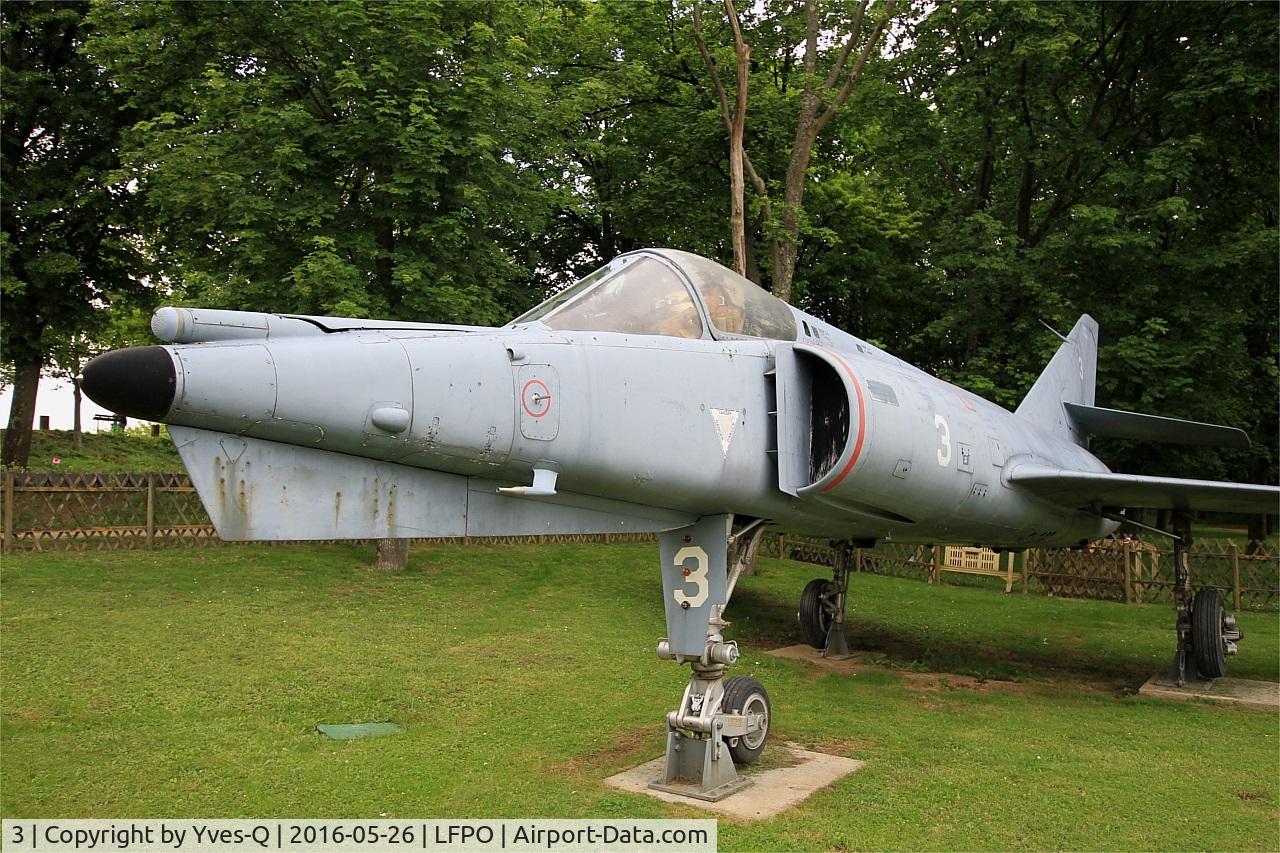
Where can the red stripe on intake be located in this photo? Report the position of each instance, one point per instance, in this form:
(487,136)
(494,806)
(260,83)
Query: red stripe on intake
(862,422)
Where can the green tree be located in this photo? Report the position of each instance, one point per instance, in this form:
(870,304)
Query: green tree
(67,252)
(1111,158)
(344,158)
(642,156)
(650,146)
(817,81)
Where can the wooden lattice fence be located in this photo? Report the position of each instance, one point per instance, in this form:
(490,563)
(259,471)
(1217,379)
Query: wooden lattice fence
(87,511)
(1126,570)
(90,511)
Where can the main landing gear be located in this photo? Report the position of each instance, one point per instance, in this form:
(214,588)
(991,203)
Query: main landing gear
(1207,633)
(720,721)
(822,607)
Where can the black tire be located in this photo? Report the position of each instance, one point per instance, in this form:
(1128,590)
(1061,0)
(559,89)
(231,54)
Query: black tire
(743,695)
(1207,613)
(815,621)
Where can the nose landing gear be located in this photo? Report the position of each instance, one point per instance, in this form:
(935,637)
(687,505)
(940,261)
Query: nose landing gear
(719,722)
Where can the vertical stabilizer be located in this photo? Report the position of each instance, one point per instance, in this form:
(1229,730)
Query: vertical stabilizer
(1068,378)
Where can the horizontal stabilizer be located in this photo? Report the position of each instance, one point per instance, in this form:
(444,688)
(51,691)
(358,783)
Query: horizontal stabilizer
(1087,489)
(1114,423)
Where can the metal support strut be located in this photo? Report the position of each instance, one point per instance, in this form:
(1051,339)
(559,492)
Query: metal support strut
(837,646)
(1183,659)
(701,566)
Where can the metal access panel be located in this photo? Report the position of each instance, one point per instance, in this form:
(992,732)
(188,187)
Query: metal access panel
(793,406)
(694,578)
(538,393)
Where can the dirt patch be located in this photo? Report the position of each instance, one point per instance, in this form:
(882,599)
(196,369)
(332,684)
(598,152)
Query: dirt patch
(34,716)
(937,682)
(925,681)
(610,755)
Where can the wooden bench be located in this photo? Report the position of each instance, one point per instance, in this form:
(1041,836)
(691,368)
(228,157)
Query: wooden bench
(974,561)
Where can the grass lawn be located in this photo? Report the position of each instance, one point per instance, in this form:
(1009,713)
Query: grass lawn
(188,683)
(128,452)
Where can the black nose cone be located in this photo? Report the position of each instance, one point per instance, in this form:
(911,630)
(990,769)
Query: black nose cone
(138,382)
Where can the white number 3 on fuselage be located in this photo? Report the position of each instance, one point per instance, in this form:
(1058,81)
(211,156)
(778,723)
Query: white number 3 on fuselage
(944,436)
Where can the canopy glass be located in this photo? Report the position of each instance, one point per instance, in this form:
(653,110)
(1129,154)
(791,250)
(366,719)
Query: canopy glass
(653,293)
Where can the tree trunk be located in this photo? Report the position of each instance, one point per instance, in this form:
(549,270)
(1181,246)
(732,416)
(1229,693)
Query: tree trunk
(787,248)
(737,208)
(734,121)
(816,112)
(737,125)
(784,268)
(22,413)
(393,555)
(749,237)
(77,399)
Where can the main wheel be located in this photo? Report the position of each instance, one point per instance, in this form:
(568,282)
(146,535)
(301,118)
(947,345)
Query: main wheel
(743,695)
(815,615)
(1207,622)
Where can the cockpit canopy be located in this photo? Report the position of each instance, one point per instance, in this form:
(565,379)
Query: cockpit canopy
(666,292)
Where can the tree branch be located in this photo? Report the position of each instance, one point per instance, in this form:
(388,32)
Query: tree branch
(838,68)
(854,73)
(721,96)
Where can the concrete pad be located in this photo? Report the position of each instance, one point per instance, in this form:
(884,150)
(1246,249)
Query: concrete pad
(850,664)
(1239,691)
(770,792)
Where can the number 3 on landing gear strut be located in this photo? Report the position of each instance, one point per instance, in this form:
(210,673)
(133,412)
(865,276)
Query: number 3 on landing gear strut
(697,576)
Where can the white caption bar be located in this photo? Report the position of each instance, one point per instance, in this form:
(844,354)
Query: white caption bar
(358,836)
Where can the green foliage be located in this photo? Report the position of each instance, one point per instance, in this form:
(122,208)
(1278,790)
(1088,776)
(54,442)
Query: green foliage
(371,159)
(69,256)
(67,249)
(1102,158)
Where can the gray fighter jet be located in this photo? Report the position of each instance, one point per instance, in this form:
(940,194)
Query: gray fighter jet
(661,393)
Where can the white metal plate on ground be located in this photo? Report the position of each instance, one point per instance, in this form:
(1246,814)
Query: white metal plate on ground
(771,792)
(1240,691)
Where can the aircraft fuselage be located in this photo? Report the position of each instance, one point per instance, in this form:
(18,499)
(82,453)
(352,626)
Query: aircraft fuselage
(826,435)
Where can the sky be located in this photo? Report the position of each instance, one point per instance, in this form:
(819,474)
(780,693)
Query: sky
(55,400)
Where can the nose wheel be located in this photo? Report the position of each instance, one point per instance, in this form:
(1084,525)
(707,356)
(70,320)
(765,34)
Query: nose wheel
(721,721)
(746,696)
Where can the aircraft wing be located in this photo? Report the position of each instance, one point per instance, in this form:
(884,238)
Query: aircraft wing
(1087,488)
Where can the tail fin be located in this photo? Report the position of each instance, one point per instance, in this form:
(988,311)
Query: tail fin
(1068,378)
